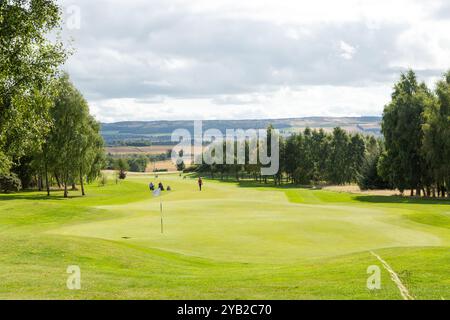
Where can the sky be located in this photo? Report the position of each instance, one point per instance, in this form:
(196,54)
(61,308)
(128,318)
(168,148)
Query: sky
(217,59)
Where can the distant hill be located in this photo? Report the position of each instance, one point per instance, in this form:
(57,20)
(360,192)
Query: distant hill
(141,133)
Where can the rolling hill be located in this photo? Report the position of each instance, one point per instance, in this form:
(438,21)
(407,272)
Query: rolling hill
(141,133)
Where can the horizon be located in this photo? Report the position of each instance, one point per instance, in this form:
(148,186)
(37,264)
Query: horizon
(249,119)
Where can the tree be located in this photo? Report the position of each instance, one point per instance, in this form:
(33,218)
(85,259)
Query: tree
(26,170)
(122,167)
(402,128)
(338,168)
(308,165)
(29,65)
(319,153)
(138,163)
(368,176)
(436,142)
(74,147)
(180,163)
(292,150)
(356,157)
(90,148)
(9,182)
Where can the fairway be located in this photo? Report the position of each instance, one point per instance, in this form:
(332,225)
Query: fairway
(230,241)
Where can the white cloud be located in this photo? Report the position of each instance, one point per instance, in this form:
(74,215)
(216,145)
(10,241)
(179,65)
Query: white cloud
(284,102)
(347,51)
(182,59)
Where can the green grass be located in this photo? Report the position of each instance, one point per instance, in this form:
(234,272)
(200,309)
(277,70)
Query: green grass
(231,241)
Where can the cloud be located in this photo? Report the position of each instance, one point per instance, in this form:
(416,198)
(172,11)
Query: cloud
(284,102)
(442,10)
(240,55)
(347,51)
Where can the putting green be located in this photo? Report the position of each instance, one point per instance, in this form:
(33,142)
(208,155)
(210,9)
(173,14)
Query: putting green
(228,241)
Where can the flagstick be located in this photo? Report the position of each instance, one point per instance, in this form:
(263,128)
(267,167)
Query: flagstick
(160,208)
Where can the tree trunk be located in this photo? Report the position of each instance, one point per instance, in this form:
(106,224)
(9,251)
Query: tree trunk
(65,190)
(57,181)
(412,192)
(46,179)
(82,182)
(448,186)
(40,182)
(65,181)
(418,192)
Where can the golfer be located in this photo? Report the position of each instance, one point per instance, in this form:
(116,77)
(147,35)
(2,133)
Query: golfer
(200,183)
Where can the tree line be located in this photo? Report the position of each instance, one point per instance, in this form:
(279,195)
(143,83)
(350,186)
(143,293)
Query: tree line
(416,129)
(47,136)
(134,162)
(413,153)
(308,157)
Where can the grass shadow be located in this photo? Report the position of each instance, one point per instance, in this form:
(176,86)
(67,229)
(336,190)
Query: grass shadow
(27,195)
(400,199)
(356,197)
(256,184)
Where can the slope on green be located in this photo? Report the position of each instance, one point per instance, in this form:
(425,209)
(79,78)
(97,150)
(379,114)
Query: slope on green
(226,242)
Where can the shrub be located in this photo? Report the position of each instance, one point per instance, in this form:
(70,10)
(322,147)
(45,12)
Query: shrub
(122,174)
(368,177)
(122,166)
(10,182)
(180,165)
(138,164)
(103,181)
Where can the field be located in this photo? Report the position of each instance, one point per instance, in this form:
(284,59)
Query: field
(150,150)
(230,241)
(161,165)
(161,131)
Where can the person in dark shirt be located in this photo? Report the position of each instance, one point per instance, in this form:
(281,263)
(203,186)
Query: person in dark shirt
(200,183)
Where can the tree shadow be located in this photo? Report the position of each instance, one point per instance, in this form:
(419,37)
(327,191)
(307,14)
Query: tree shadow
(35,197)
(269,184)
(361,198)
(400,199)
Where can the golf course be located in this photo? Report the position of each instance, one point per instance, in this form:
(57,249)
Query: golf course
(230,241)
